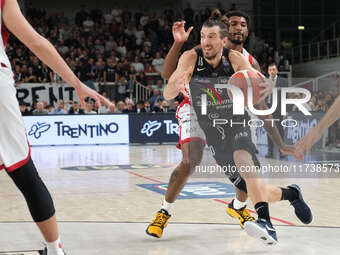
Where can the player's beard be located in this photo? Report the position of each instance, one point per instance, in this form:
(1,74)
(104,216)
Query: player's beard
(237,42)
(213,54)
(232,38)
(210,57)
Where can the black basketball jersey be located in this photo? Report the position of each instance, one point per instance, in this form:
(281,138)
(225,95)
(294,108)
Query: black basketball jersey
(203,69)
(203,81)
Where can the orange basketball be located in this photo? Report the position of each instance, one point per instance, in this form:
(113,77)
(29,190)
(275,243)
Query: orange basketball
(247,79)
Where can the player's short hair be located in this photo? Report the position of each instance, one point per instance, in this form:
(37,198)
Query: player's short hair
(238,13)
(217,19)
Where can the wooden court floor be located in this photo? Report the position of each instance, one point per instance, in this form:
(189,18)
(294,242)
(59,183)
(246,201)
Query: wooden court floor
(106,195)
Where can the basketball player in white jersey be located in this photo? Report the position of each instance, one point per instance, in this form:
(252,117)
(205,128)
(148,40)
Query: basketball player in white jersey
(315,133)
(189,144)
(14,148)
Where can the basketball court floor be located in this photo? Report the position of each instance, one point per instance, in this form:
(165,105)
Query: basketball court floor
(105,197)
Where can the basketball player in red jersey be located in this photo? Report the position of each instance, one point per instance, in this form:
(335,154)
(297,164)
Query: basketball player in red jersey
(14,149)
(180,175)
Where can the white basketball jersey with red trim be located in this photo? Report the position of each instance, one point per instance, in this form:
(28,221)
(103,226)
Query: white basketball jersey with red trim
(247,55)
(4,61)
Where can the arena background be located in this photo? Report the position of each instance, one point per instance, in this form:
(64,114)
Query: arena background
(108,168)
(301,37)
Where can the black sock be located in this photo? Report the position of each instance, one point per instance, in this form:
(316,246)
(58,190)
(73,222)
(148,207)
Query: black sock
(289,194)
(262,210)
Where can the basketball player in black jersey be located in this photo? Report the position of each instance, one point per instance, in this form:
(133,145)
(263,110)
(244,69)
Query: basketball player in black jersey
(238,32)
(193,146)
(218,62)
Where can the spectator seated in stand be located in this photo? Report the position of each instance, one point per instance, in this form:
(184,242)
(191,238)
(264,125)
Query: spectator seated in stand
(157,106)
(147,106)
(166,108)
(89,108)
(120,107)
(75,109)
(40,110)
(23,109)
(155,97)
(129,107)
(160,85)
(140,107)
(111,109)
(60,108)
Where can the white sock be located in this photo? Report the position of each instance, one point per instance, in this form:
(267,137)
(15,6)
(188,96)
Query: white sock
(166,206)
(238,204)
(54,248)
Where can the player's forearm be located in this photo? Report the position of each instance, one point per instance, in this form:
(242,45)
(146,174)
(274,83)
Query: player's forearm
(171,60)
(331,116)
(45,51)
(170,92)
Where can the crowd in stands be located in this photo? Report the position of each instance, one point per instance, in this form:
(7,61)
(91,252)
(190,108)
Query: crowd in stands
(127,106)
(123,48)
(120,47)
(322,100)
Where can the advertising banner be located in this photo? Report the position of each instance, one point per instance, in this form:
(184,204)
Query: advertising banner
(153,128)
(77,129)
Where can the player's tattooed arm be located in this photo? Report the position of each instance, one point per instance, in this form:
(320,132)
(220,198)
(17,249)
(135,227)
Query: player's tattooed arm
(239,62)
(256,65)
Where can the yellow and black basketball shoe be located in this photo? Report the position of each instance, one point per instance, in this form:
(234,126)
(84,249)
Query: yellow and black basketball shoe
(156,227)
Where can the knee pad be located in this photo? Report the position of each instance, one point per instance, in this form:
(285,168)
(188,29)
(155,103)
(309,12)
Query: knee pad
(233,175)
(38,199)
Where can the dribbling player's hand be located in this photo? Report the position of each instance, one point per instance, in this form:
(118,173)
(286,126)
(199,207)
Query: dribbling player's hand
(182,79)
(306,143)
(291,150)
(179,33)
(83,92)
(268,86)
